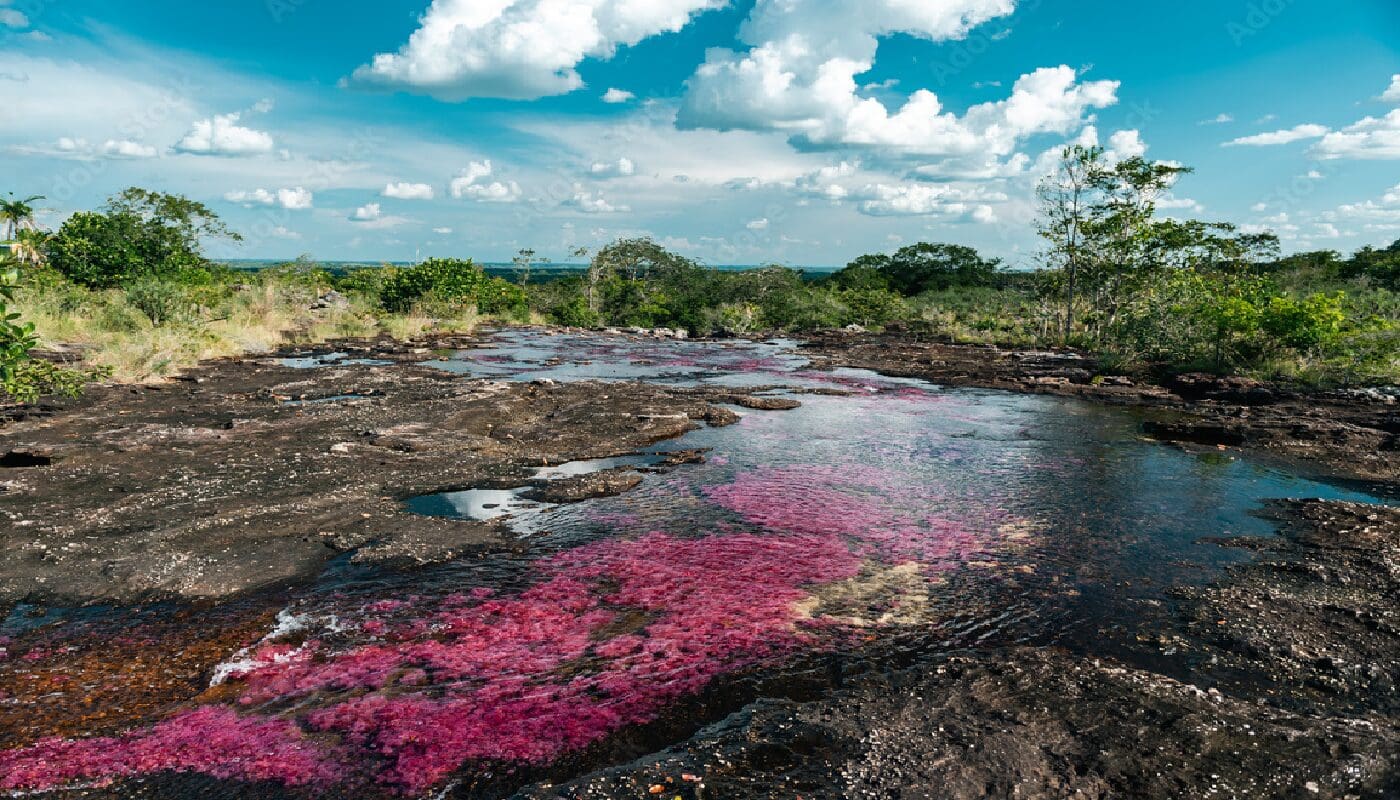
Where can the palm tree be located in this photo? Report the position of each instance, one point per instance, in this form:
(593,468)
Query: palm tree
(16,214)
(29,247)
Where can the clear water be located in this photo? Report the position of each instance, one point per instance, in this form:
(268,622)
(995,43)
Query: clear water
(947,518)
(323,360)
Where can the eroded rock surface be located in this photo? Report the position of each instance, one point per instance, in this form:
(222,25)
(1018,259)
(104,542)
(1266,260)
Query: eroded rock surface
(230,480)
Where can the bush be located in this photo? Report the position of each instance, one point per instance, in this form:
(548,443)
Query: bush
(871,307)
(802,309)
(24,378)
(1304,324)
(366,281)
(499,296)
(574,312)
(733,319)
(160,301)
(447,279)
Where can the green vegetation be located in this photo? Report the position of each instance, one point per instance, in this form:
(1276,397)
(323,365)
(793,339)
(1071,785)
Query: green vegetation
(130,288)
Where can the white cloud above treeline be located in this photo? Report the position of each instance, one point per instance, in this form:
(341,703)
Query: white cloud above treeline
(471,183)
(519,49)
(295,198)
(409,191)
(221,135)
(1298,133)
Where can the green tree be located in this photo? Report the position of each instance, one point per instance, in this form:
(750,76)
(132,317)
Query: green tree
(17,213)
(925,267)
(1066,215)
(138,234)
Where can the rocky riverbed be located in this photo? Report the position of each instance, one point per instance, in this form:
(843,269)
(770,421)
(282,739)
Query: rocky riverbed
(251,474)
(1353,434)
(201,506)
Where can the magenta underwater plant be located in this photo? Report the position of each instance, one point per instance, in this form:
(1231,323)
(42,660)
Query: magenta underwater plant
(524,678)
(608,636)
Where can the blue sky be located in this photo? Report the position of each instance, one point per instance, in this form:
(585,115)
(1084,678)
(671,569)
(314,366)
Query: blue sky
(794,131)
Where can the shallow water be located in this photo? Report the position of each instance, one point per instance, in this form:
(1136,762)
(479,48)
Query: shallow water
(949,518)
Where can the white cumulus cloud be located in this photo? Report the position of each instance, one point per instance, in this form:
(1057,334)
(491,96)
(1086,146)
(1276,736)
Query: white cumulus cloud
(294,199)
(471,183)
(621,168)
(367,213)
(798,76)
(1297,133)
(1373,138)
(590,203)
(70,147)
(222,136)
(125,148)
(409,191)
(617,96)
(1392,95)
(519,49)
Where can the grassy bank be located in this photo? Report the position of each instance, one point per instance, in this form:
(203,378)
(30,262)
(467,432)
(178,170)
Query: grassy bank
(157,328)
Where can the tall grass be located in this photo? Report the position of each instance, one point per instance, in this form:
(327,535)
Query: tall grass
(150,332)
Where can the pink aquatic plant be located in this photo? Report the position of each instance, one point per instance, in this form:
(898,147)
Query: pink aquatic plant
(613,633)
(212,740)
(404,692)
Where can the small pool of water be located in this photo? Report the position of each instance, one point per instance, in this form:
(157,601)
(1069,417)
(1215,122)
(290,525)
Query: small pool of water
(481,505)
(947,518)
(320,361)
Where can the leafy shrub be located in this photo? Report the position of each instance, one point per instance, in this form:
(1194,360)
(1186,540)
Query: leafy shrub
(871,307)
(733,319)
(448,279)
(367,281)
(1304,324)
(499,296)
(24,378)
(160,301)
(574,312)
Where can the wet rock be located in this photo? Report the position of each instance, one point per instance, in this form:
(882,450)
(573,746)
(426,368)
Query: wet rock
(764,403)
(720,417)
(1019,723)
(1196,432)
(1200,386)
(223,491)
(1312,625)
(609,483)
(331,300)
